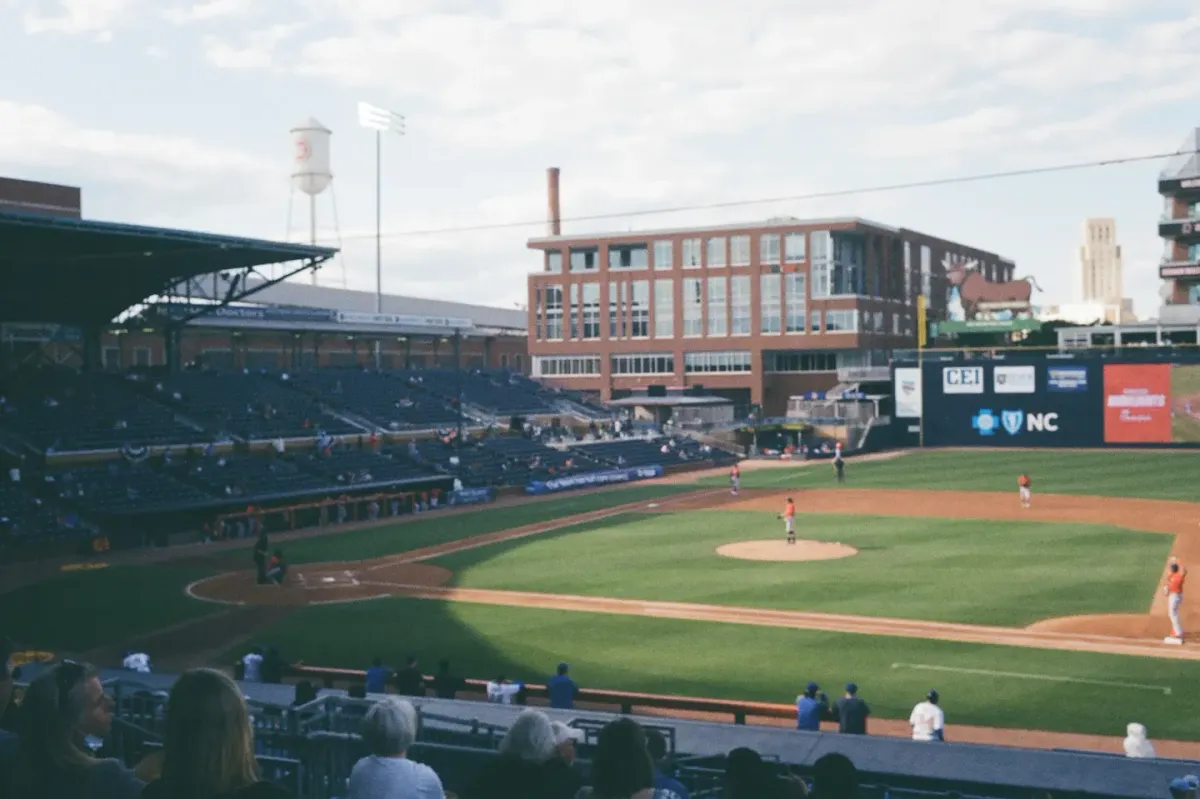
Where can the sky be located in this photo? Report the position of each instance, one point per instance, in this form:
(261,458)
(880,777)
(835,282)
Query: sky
(175,113)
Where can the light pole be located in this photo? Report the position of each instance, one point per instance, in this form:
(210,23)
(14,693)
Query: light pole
(381,121)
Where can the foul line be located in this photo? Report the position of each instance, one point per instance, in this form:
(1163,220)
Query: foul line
(1166,691)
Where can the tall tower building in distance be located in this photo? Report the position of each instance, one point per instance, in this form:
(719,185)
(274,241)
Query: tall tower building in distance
(1100,263)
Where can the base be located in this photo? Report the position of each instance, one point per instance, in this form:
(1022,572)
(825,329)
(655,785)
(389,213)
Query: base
(1170,639)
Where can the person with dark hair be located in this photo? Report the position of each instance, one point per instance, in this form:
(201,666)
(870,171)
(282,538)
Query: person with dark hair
(812,707)
(62,707)
(445,684)
(562,689)
(208,747)
(621,768)
(834,777)
(273,666)
(305,693)
(928,721)
(377,676)
(664,787)
(746,776)
(851,712)
(409,680)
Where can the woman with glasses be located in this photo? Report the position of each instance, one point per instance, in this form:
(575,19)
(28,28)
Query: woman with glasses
(62,707)
(208,749)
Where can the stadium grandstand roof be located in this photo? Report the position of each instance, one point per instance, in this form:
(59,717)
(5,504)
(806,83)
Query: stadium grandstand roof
(77,271)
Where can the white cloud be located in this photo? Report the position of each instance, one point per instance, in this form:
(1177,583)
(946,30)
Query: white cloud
(207,11)
(82,17)
(155,51)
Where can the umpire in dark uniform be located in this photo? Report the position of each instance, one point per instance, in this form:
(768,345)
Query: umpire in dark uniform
(839,467)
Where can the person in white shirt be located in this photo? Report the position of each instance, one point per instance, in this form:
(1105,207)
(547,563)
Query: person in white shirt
(388,730)
(501,691)
(137,661)
(1136,742)
(927,720)
(253,666)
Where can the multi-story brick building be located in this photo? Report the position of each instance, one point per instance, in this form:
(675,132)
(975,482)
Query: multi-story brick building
(1179,185)
(755,312)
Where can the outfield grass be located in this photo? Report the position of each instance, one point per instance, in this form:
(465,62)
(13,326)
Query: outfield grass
(1118,473)
(77,611)
(1002,572)
(756,663)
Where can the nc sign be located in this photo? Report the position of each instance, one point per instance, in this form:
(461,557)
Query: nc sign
(988,423)
(962,380)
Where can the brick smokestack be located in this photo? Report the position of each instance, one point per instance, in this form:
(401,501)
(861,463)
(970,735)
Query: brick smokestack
(555,215)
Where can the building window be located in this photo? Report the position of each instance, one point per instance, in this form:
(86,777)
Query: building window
(739,294)
(554,262)
(591,310)
(797,314)
(716,252)
(584,259)
(820,278)
(879,328)
(539,311)
(1193,252)
(814,322)
(821,260)
(628,256)
(769,303)
(718,308)
(800,361)
(639,322)
(842,321)
(895,324)
(908,281)
(565,365)
(648,364)
(110,357)
(690,253)
(664,308)
(1193,297)
(624,306)
(926,271)
(716,362)
(554,313)
(693,308)
(664,254)
(612,309)
(572,310)
(795,247)
(739,250)
(768,248)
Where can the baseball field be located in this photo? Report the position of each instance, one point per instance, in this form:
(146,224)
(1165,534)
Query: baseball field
(921,572)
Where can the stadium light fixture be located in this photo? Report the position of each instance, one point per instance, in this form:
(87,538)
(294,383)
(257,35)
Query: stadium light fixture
(381,121)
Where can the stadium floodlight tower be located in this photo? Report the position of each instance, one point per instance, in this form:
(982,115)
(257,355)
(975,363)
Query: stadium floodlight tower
(381,121)
(311,172)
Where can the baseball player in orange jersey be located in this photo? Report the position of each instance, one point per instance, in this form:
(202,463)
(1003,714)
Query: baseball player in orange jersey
(1176,575)
(735,479)
(1025,487)
(789,520)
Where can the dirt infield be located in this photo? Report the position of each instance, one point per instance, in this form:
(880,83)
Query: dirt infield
(779,551)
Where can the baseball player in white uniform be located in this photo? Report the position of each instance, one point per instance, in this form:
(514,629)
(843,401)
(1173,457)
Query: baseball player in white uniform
(928,722)
(1176,574)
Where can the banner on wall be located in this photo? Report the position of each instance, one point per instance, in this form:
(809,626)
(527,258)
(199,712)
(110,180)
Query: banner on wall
(1137,407)
(593,479)
(1014,379)
(1067,378)
(907,389)
(962,380)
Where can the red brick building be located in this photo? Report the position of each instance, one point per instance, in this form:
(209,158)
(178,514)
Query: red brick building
(1179,185)
(756,312)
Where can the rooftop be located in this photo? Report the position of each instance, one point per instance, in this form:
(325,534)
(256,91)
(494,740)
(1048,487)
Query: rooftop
(1186,164)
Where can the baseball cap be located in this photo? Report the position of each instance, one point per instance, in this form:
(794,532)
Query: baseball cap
(851,688)
(563,733)
(932,696)
(811,687)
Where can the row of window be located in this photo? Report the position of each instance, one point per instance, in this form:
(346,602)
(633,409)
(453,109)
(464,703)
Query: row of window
(783,305)
(694,253)
(663,363)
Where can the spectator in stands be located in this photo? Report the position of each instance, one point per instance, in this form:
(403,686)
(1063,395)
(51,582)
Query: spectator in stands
(136,661)
(1136,742)
(409,680)
(851,712)
(927,720)
(388,730)
(305,693)
(834,777)
(562,689)
(377,676)
(520,771)
(62,707)
(664,787)
(445,684)
(811,708)
(747,776)
(622,768)
(276,568)
(208,746)
(560,770)
(252,665)
(273,666)
(501,691)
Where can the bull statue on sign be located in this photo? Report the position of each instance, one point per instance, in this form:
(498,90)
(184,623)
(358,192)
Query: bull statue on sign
(975,290)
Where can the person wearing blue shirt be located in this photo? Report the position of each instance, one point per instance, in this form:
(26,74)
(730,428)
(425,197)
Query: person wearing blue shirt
(562,689)
(665,787)
(811,708)
(377,677)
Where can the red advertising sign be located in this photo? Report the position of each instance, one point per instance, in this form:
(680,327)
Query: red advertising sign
(1137,403)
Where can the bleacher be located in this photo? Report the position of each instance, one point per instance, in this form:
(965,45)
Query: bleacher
(495,391)
(246,404)
(119,488)
(503,460)
(63,411)
(253,477)
(24,518)
(309,749)
(386,399)
(351,467)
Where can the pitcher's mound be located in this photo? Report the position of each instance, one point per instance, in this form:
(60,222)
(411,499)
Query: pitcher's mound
(780,550)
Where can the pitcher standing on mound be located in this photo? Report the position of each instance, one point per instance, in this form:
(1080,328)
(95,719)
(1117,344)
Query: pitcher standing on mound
(1176,574)
(1025,488)
(789,520)
(735,479)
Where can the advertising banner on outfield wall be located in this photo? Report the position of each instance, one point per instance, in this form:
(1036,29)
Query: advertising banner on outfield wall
(1157,403)
(906,384)
(593,479)
(1011,405)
